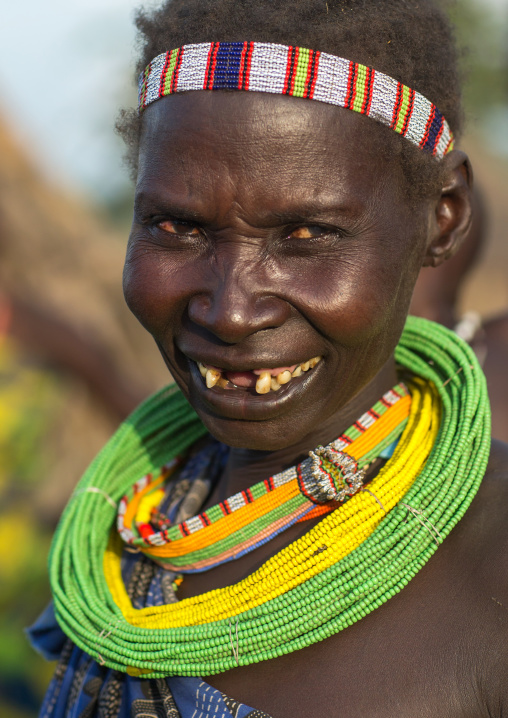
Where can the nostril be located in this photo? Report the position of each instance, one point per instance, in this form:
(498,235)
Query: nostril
(199,306)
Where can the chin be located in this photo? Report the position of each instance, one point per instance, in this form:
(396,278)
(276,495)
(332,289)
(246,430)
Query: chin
(251,435)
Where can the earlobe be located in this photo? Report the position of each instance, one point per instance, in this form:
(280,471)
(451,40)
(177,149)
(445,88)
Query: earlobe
(451,220)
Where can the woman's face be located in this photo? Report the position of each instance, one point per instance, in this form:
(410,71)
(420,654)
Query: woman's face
(268,231)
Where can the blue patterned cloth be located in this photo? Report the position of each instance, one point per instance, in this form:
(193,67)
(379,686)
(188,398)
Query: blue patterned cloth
(81,688)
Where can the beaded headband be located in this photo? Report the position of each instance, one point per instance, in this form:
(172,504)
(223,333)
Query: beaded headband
(298,72)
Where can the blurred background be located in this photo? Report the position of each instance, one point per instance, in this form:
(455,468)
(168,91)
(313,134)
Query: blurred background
(73,362)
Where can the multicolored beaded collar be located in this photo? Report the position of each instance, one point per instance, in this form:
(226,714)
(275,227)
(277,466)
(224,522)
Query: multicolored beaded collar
(238,525)
(298,72)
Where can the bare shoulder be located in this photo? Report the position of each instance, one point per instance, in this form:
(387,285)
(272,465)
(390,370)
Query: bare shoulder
(488,514)
(481,538)
(495,481)
(476,551)
(486,525)
(475,560)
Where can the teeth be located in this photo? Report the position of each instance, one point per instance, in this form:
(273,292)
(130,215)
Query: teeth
(284,377)
(212,377)
(263,383)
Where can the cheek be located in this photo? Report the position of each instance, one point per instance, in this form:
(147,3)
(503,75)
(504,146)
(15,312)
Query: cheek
(354,299)
(154,288)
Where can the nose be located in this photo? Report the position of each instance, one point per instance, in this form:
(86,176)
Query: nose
(239,304)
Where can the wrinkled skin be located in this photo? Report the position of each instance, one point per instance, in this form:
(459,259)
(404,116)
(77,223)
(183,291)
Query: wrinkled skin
(268,230)
(234,288)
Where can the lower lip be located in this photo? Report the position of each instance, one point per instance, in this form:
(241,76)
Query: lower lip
(235,403)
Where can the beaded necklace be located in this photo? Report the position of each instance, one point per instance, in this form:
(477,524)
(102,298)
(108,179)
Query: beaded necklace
(340,533)
(248,519)
(350,563)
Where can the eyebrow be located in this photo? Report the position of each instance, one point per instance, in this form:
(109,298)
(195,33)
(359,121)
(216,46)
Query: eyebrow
(146,203)
(311,211)
(154,203)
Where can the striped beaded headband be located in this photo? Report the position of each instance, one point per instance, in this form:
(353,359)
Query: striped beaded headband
(298,72)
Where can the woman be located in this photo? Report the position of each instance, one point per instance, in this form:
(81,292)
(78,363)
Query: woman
(275,245)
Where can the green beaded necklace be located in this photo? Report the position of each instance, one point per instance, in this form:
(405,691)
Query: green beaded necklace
(321,606)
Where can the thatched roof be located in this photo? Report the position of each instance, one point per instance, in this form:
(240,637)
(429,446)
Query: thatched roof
(56,252)
(60,258)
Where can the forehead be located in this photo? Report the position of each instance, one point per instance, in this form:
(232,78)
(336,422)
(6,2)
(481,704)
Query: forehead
(257,144)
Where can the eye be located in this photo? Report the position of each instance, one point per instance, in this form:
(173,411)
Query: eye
(181,229)
(310,231)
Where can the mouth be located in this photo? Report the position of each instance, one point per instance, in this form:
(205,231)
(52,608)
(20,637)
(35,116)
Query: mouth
(258,381)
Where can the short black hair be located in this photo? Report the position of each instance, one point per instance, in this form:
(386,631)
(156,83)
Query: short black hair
(410,40)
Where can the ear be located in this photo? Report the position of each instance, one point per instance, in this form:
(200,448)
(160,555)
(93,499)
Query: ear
(452,213)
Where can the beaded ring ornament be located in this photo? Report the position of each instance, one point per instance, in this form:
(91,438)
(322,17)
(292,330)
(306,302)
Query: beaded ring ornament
(298,72)
(250,518)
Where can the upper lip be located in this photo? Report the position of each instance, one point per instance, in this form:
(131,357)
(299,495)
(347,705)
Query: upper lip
(250,366)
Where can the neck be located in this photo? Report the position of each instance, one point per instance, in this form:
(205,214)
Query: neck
(246,467)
